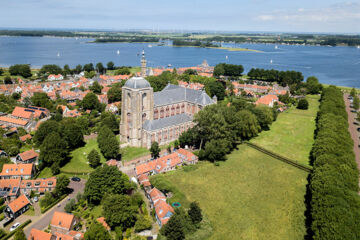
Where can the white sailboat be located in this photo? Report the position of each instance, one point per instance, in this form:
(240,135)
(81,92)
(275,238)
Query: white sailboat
(118,52)
(276,47)
(271,61)
(358,47)
(58,54)
(150,46)
(226,57)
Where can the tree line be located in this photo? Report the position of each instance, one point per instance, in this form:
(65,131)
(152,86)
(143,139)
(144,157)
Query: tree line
(282,77)
(333,200)
(220,127)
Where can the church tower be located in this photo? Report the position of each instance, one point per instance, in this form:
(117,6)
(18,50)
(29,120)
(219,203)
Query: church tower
(137,107)
(143,64)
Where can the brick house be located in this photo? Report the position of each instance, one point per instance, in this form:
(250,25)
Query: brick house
(22,171)
(27,157)
(17,207)
(62,223)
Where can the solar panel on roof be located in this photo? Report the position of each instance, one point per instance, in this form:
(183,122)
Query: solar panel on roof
(29,110)
(14,190)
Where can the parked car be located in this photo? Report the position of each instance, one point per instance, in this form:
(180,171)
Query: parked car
(36,199)
(15,226)
(353,111)
(76,179)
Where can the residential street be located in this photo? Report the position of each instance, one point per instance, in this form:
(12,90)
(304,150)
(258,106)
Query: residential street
(353,130)
(44,220)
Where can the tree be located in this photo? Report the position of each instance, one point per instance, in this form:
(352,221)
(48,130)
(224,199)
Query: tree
(45,129)
(70,206)
(219,70)
(303,104)
(108,143)
(246,125)
(90,74)
(143,223)
(1,71)
(122,71)
(91,102)
(218,89)
(94,158)
(53,150)
(41,99)
(78,69)
(114,93)
(215,150)
(72,133)
(356,103)
(176,144)
(51,69)
(155,150)
(190,72)
(110,65)
(264,115)
(20,69)
(62,183)
(108,119)
(195,213)
(7,80)
(67,70)
(97,231)
(88,67)
(19,235)
(313,86)
(119,212)
(353,92)
(96,87)
(100,68)
(105,180)
(174,229)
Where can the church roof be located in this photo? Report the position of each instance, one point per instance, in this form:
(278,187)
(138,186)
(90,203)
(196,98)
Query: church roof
(150,125)
(137,82)
(174,94)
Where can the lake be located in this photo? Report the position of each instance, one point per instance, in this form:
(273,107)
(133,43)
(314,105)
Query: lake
(332,65)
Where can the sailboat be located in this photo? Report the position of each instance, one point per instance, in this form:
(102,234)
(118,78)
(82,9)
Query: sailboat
(271,61)
(226,57)
(58,54)
(149,45)
(276,47)
(358,47)
(118,52)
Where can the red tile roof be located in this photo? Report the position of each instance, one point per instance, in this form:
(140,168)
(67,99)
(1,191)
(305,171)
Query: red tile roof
(39,183)
(112,162)
(163,211)
(267,99)
(28,155)
(144,180)
(13,120)
(103,222)
(17,169)
(156,194)
(39,235)
(63,220)
(25,137)
(158,165)
(19,203)
(11,184)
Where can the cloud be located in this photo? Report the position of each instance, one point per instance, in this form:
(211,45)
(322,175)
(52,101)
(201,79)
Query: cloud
(336,13)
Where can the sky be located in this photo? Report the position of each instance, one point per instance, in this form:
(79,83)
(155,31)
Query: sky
(331,16)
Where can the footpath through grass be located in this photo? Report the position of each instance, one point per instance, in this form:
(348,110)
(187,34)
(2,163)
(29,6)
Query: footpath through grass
(250,196)
(292,134)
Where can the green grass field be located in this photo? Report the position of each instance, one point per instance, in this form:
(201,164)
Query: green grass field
(292,134)
(79,162)
(250,196)
(130,153)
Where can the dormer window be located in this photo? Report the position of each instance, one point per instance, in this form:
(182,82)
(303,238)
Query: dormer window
(37,183)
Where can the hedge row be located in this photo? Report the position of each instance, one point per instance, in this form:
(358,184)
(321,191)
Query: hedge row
(44,210)
(335,203)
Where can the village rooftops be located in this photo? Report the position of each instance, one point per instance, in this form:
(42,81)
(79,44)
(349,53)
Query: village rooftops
(17,169)
(19,203)
(62,220)
(30,112)
(156,194)
(39,183)
(36,234)
(163,211)
(25,137)
(160,164)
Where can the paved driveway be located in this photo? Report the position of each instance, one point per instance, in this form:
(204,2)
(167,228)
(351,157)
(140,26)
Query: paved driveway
(43,221)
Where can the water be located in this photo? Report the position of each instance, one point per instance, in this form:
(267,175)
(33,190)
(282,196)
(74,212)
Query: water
(332,65)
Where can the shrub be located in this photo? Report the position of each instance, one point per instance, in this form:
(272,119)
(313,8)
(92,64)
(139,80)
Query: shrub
(303,104)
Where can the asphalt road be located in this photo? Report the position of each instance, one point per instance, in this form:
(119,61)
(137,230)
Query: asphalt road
(44,220)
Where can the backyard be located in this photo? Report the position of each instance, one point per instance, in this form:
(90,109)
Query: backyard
(292,134)
(250,196)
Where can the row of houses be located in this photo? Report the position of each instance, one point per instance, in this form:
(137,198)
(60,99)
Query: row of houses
(169,162)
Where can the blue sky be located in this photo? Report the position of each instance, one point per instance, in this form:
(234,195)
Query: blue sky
(221,15)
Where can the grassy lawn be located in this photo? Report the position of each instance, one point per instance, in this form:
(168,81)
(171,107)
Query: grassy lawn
(292,134)
(130,153)
(250,196)
(45,173)
(78,162)
(30,211)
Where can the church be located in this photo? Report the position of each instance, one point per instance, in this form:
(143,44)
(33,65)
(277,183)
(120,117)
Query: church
(161,117)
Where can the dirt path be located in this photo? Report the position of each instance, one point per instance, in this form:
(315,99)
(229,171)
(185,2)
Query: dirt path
(353,130)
